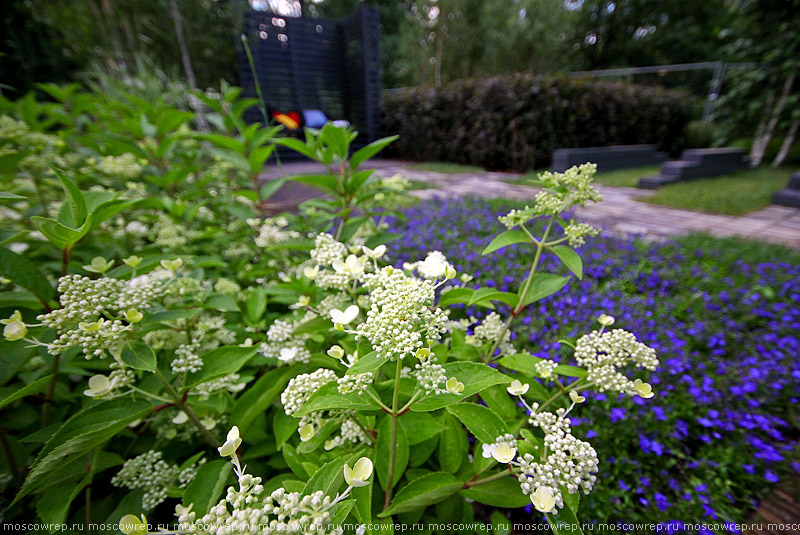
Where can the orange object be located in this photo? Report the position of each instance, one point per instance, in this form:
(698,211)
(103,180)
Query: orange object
(290,120)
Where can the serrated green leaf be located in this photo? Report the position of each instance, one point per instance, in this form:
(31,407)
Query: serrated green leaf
(564,522)
(24,274)
(328,397)
(382,452)
(329,477)
(453,445)
(221,302)
(368,363)
(208,485)
(73,212)
(570,371)
(482,422)
(424,491)
(456,295)
(365,153)
(419,427)
(509,237)
(139,356)
(220,362)
(35,387)
(504,492)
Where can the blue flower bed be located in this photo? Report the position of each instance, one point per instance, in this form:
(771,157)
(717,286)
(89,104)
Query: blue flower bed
(723,426)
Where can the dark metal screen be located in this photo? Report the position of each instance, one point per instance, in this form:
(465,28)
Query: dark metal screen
(305,64)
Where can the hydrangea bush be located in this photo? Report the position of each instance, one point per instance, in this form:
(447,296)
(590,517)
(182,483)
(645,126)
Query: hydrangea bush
(157,320)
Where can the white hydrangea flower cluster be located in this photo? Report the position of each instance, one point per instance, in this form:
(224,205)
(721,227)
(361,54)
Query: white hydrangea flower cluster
(489,330)
(575,232)
(173,424)
(168,234)
(297,393)
(231,382)
(272,231)
(400,319)
(431,376)
(545,368)
(566,461)
(83,300)
(574,189)
(604,353)
(229,288)
(301,388)
(204,335)
(516,217)
(284,345)
(355,383)
(126,166)
(150,472)
(281,512)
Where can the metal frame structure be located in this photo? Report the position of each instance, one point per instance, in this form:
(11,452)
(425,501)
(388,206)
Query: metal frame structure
(714,89)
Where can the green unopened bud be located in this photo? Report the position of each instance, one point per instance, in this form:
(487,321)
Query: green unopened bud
(336,352)
(172,265)
(133,315)
(423,353)
(132,261)
(450,272)
(99,265)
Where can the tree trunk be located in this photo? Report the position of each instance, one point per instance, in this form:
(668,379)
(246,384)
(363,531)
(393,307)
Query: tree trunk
(175,12)
(787,143)
(767,126)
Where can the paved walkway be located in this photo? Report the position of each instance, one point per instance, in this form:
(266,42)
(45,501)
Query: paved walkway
(619,213)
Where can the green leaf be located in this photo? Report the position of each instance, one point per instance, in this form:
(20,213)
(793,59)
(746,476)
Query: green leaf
(328,397)
(482,422)
(543,285)
(484,296)
(326,183)
(365,153)
(258,157)
(453,445)
(419,427)
(570,258)
(54,505)
(35,387)
(223,142)
(329,477)
(424,491)
(108,210)
(564,522)
(81,433)
(8,196)
(283,426)
(25,274)
(504,492)
(509,237)
(256,304)
(258,397)
(521,362)
(73,212)
(368,363)
(570,371)
(498,399)
(382,449)
(475,376)
(320,323)
(221,302)
(59,235)
(139,356)
(500,524)
(456,295)
(208,485)
(220,362)
(297,146)
(270,187)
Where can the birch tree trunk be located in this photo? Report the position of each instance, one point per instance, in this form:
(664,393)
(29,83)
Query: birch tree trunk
(767,126)
(787,143)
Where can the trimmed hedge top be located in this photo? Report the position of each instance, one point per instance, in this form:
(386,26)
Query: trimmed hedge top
(516,122)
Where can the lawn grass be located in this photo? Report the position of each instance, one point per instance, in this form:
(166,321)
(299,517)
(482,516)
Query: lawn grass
(735,194)
(445,167)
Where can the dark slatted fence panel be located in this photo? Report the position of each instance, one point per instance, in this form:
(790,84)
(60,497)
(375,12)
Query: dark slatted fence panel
(307,64)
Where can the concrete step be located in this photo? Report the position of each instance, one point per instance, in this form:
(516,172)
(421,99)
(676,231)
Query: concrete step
(655,182)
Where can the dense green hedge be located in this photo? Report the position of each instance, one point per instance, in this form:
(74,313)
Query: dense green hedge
(516,122)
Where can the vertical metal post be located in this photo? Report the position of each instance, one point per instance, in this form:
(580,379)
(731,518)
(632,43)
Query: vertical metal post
(713,90)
